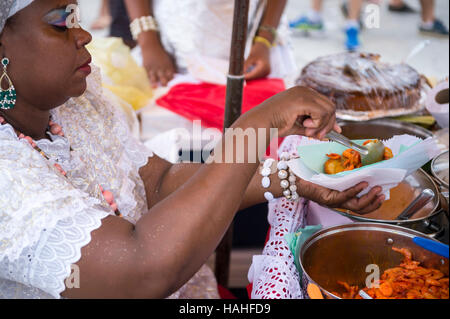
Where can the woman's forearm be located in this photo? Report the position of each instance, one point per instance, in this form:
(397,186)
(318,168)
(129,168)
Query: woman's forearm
(139,8)
(142,8)
(177,175)
(187,225)
(272,17)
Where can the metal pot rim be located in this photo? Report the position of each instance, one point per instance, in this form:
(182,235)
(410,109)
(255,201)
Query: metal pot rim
(391,122)
(440,181)
(325,232)
(435,210)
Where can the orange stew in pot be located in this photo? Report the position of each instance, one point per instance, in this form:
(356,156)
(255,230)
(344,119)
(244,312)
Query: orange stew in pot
(407,281)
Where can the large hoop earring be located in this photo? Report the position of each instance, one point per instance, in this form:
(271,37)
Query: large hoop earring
(7,97)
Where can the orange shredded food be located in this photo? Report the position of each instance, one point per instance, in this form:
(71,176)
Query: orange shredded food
(407,281)
(349,160)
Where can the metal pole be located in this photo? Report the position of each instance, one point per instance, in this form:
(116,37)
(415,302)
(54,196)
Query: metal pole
(233,109)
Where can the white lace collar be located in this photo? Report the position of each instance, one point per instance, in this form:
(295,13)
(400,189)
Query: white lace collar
(57,148)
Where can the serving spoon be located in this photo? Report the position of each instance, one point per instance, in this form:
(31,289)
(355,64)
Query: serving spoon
(370,154)
(426,196)
(364,295)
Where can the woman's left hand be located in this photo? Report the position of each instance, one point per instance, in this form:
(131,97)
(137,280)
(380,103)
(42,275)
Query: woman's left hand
(258,63)
(345,200)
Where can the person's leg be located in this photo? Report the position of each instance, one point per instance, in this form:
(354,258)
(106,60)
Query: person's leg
(396,3)
(317,5)
(427,10)
(352,25)
(312,21)
(354,11)
(104,19)
(430,25)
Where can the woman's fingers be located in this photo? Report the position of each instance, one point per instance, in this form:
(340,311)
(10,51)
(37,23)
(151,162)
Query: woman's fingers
(160,77)
(350,194)
(320,127)
(337,128)
(153,77)
(322,119)
(255,70)
(164,77)
(376,204)
(367,203)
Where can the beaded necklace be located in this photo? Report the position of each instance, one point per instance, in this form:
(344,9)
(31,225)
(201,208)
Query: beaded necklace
(56,129)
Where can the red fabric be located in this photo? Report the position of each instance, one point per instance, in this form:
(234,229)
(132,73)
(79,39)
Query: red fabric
(249,290)
(206,102)
(225,293)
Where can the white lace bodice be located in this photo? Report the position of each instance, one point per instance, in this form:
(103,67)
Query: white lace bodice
(45,218)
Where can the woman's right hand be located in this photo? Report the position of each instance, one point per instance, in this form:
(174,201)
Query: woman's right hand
(158,63)
(297,111)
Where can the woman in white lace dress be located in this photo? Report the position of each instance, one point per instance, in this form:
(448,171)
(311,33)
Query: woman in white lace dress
(77,192)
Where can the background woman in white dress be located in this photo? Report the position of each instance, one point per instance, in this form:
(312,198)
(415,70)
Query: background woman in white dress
(204,28)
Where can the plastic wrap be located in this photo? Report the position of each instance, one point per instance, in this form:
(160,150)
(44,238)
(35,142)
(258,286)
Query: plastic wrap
(365,88)
(120,73)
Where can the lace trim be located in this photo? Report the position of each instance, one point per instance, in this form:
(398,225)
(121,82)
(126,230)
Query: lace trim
(42,269)
(274,274)
(31,192)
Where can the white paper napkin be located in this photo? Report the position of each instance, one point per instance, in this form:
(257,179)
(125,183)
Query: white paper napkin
(386,174)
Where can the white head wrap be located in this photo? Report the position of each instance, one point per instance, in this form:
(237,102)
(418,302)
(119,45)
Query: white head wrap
(8,8)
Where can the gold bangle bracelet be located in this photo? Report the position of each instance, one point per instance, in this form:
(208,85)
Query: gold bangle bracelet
(264,41)
(270,29)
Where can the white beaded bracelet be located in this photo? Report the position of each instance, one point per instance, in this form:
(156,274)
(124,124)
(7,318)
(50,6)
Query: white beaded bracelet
(143,24)
(266,171)
(287,177)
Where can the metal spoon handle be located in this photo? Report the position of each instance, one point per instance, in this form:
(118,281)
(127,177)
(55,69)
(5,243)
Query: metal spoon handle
(364,294)
(341,139)
(420,202)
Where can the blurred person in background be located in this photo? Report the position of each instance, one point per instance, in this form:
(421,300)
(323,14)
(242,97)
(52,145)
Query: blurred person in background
(103,20)
(183,28)
(313,21)
(429,25)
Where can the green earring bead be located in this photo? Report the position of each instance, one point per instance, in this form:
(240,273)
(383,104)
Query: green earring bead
(8,97)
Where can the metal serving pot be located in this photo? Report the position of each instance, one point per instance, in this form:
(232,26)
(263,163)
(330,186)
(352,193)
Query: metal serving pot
(421,221)
(342,253)
(440,168)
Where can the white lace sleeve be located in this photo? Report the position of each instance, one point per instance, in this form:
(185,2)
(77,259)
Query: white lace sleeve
(41,269)
(44,220)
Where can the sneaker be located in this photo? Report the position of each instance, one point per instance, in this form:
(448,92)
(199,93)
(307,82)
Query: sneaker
(404,8)
(352,43)
(305,24)
(438,29)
